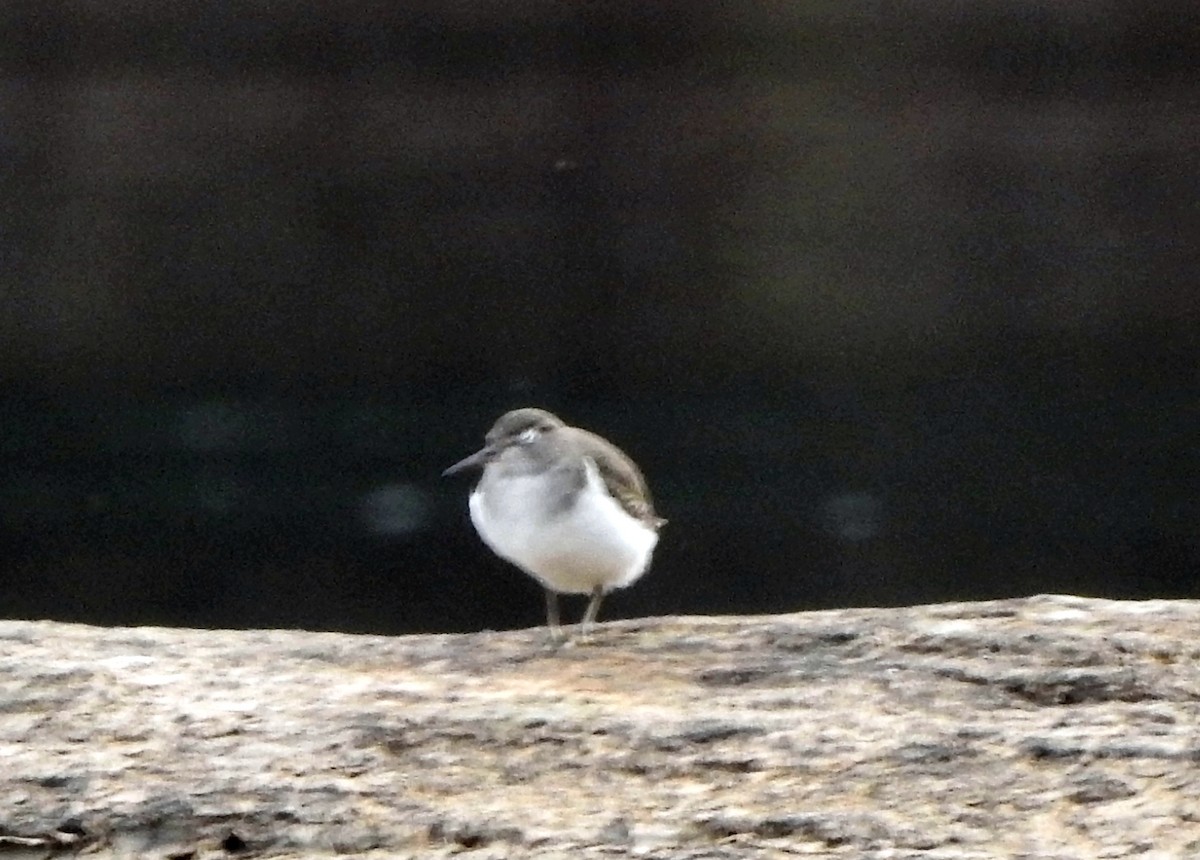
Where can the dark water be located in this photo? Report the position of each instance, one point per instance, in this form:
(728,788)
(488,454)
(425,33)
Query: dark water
(893,303)
(232,511)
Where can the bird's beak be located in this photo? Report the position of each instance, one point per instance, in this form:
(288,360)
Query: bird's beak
(476,461)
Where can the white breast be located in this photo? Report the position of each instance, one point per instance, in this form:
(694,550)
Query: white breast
(593,542)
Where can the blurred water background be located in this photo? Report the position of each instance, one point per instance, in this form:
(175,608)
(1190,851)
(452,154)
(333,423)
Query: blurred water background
(893,302)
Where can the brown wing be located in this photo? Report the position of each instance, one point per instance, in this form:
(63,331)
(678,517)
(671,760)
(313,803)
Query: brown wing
(621,477)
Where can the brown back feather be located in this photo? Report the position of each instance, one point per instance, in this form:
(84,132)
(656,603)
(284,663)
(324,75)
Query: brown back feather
(626,483)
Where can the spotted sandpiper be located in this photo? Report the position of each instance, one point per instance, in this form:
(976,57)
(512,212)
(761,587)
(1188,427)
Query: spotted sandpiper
(564,505)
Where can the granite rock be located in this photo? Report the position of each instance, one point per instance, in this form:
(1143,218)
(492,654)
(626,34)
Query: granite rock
(1041,727)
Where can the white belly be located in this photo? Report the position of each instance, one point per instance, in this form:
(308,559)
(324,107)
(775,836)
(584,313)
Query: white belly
(591,543)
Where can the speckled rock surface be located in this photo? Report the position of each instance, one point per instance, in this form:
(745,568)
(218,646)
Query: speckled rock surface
(1042,727)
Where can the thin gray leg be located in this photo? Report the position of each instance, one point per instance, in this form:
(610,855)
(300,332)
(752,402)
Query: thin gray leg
(593,608)
(552,614)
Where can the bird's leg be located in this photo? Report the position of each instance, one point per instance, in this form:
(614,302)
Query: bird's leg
(552,615)
(593,608)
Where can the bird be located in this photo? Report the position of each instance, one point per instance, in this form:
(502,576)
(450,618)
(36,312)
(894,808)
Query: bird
(564,505)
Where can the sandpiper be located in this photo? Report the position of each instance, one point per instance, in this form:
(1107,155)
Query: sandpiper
(564,505)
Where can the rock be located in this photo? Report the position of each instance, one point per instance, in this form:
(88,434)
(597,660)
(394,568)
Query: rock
(1048,726)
